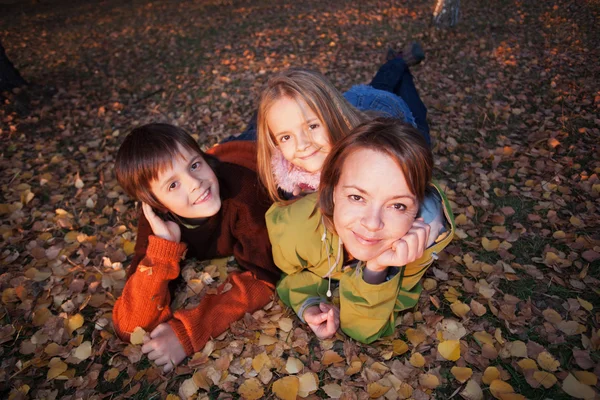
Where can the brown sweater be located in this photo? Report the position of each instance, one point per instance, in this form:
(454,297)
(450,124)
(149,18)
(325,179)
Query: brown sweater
(238,229)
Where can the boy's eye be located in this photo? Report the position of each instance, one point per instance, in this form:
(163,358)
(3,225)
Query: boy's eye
(355,197)
(312,127)
(284,138)
(399,207)
(173,185)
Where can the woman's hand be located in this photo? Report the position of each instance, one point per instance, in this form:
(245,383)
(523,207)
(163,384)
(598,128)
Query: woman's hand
(324,320)
(405,250)
(167,230)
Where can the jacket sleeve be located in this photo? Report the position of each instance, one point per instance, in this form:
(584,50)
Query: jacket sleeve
(145,301)
(240,294)
(302,290)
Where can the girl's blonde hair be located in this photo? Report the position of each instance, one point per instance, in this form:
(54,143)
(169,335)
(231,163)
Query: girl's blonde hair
(311,87)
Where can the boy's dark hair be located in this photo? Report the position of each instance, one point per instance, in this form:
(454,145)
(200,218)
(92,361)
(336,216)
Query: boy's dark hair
(146,152)
(390,136)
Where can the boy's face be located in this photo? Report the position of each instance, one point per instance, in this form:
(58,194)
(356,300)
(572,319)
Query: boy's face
(189,188)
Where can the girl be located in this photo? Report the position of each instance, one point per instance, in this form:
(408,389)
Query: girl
(362,230)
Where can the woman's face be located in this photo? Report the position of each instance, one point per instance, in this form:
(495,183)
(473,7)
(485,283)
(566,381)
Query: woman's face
(299,133)
(373,205)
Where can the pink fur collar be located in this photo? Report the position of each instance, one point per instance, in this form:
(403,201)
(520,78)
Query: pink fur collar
(288,176)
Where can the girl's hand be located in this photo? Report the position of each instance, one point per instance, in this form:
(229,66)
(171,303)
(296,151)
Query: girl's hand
(324,320)
(167,230)
(163,347)
(405,250)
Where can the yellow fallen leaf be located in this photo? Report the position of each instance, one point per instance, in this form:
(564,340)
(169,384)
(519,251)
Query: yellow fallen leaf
(484,337)
(57,367)
(266,340)
(415,336)
(429,381)
(500,388)
(461,219)
(309,383)
(188,388)
(333,390)
(377,390)
(585,304)
(527,363)
(429,284)
(285,324)
(498,336)
(449,349)
(331,357)
(111,374)
(574,388)
(293,365)
(551,316)
(74,322)
(172,396)
(576,222)
(462,374)
(405,391)
(586,377)
(71,237)
(544,378)
(260,361)
(52,349)
(417,360)
(251,389)
(83,351)
(355,366)
(452,295)
(517,349)
(472,391)
(490,374)
(286,388)
(547,361)
(477,308)
(490,245)
(559,235)
(399,347)
(137,336)
(460,309)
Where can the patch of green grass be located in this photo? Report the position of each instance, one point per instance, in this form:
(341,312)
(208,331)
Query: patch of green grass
(523,288)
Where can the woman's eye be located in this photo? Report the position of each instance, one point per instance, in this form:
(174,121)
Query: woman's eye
(399,207)
(284,138)
(195,166)
(173,185)
(355,197)
(312,127)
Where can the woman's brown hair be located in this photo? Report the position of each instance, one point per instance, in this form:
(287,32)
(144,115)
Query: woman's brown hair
(389,136)
(312,88)
(146,152)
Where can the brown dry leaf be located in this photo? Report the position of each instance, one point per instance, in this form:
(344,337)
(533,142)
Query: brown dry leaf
(333,390)
(266,340)
(477,308)
(517,349)
(415,336)
(137,336)
(462,374)
(417,360)
(490,374)
(552,316)
(83,351)
(308,384)
(40,316)
(449,349)
(355,366)
(188,388)
(547,361)
(377,390)
(285,324)
(286,388)
(331,357)
(576,389)
(251,389)
(472,391)
(570,328)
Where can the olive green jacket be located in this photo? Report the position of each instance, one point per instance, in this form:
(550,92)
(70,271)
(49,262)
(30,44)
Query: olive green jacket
(301,246)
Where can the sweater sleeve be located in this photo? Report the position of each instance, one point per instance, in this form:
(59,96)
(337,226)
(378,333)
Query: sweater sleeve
(302,290)
(145,301)
(242,293)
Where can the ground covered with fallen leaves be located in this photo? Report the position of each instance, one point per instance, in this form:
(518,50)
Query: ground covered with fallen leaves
(511,310)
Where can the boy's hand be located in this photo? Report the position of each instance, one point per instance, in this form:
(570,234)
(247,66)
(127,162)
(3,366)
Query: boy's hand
(324,320)
(163,347)
(405,250)
(167,230)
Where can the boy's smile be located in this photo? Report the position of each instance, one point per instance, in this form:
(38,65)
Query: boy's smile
(189,188)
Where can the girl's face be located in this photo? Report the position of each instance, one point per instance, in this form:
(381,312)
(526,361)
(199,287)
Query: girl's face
(189,188)
(373,205)
(299,133)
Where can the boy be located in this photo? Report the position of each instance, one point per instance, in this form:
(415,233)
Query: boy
(211,209)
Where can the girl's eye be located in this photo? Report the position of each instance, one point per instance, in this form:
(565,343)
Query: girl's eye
(399,207)
(173,186)
(312,127)
(284,138)
(195,166)
(355,197)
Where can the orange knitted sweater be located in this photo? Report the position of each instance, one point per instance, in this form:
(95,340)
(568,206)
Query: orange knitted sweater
(237,229)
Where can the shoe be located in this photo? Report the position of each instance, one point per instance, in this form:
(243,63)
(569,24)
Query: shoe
(413,54)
